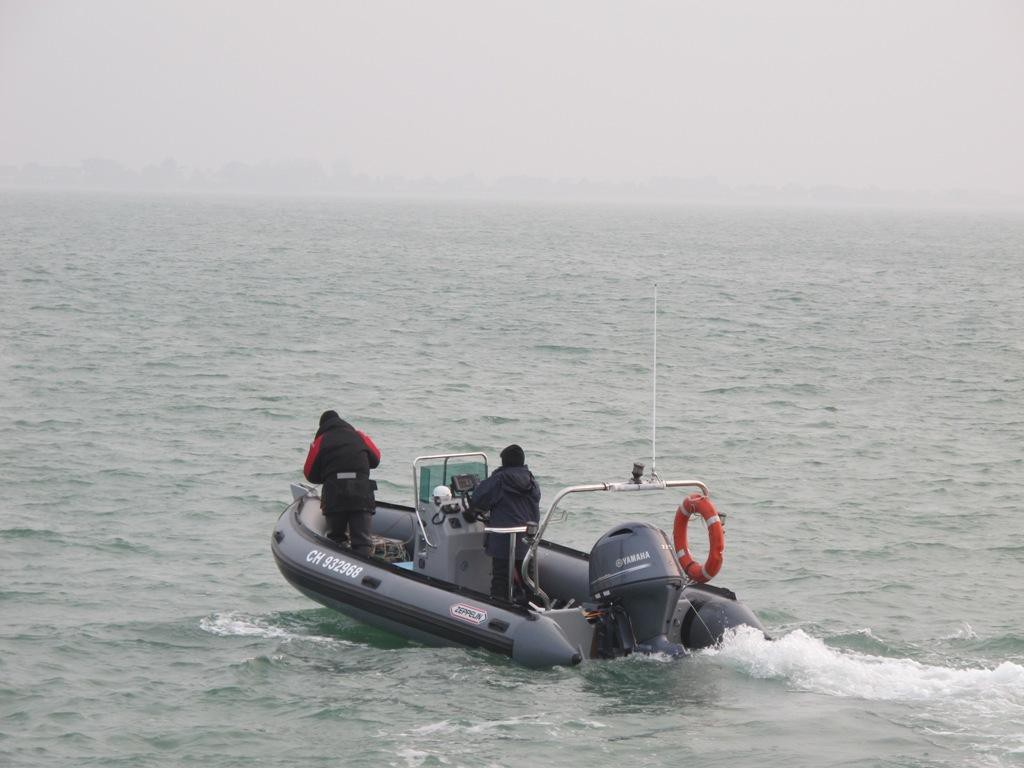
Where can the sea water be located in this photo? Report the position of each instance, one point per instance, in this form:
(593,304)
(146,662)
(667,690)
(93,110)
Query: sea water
(849,383)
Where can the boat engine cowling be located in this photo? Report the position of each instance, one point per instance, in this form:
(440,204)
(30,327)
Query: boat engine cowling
(635,578)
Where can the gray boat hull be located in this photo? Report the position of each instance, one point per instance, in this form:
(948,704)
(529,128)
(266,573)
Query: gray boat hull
(444,602)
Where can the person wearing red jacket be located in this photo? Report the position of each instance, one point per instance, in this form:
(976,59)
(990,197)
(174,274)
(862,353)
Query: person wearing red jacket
(341,457)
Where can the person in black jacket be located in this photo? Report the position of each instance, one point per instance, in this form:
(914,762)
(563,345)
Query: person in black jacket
(341,458)
(512,495)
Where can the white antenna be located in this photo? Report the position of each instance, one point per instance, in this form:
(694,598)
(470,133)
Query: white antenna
(654,392)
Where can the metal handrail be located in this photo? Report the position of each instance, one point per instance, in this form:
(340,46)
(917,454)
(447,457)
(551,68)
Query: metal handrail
(416,484)
(651,484)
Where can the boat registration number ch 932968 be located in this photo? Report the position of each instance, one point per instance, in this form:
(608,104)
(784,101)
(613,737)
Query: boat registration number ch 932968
(333,564)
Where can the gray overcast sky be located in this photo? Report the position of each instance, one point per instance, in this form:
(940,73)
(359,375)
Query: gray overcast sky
(923,94)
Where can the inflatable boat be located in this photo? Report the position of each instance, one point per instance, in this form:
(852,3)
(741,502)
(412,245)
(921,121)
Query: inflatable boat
(428,578)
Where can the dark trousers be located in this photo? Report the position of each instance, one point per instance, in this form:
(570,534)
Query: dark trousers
(499,580)
(351,529)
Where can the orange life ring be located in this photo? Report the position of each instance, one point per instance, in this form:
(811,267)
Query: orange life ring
(716,537)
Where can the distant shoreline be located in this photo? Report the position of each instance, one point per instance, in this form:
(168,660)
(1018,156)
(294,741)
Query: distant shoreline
(309,180)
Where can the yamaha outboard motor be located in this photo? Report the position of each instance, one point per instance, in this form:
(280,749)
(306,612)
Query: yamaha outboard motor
(636,582)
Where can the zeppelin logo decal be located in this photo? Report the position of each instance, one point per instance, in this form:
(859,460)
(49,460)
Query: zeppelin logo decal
(468,613)
(630,559)
(333,564)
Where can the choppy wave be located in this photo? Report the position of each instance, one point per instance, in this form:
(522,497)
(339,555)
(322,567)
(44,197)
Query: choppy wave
(964,632)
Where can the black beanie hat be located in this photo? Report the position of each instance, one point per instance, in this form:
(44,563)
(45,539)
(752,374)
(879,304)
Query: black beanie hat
(513,456)
(328,415)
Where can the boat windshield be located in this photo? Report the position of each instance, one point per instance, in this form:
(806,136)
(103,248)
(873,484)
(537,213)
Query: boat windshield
(440,471)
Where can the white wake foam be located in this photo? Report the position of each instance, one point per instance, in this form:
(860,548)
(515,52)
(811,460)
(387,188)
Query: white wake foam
(807,663)
(240,625)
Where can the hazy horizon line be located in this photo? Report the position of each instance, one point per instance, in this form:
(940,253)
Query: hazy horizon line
(306,176)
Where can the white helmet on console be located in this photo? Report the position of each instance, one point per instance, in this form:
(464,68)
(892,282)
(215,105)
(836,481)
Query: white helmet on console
(442,495)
